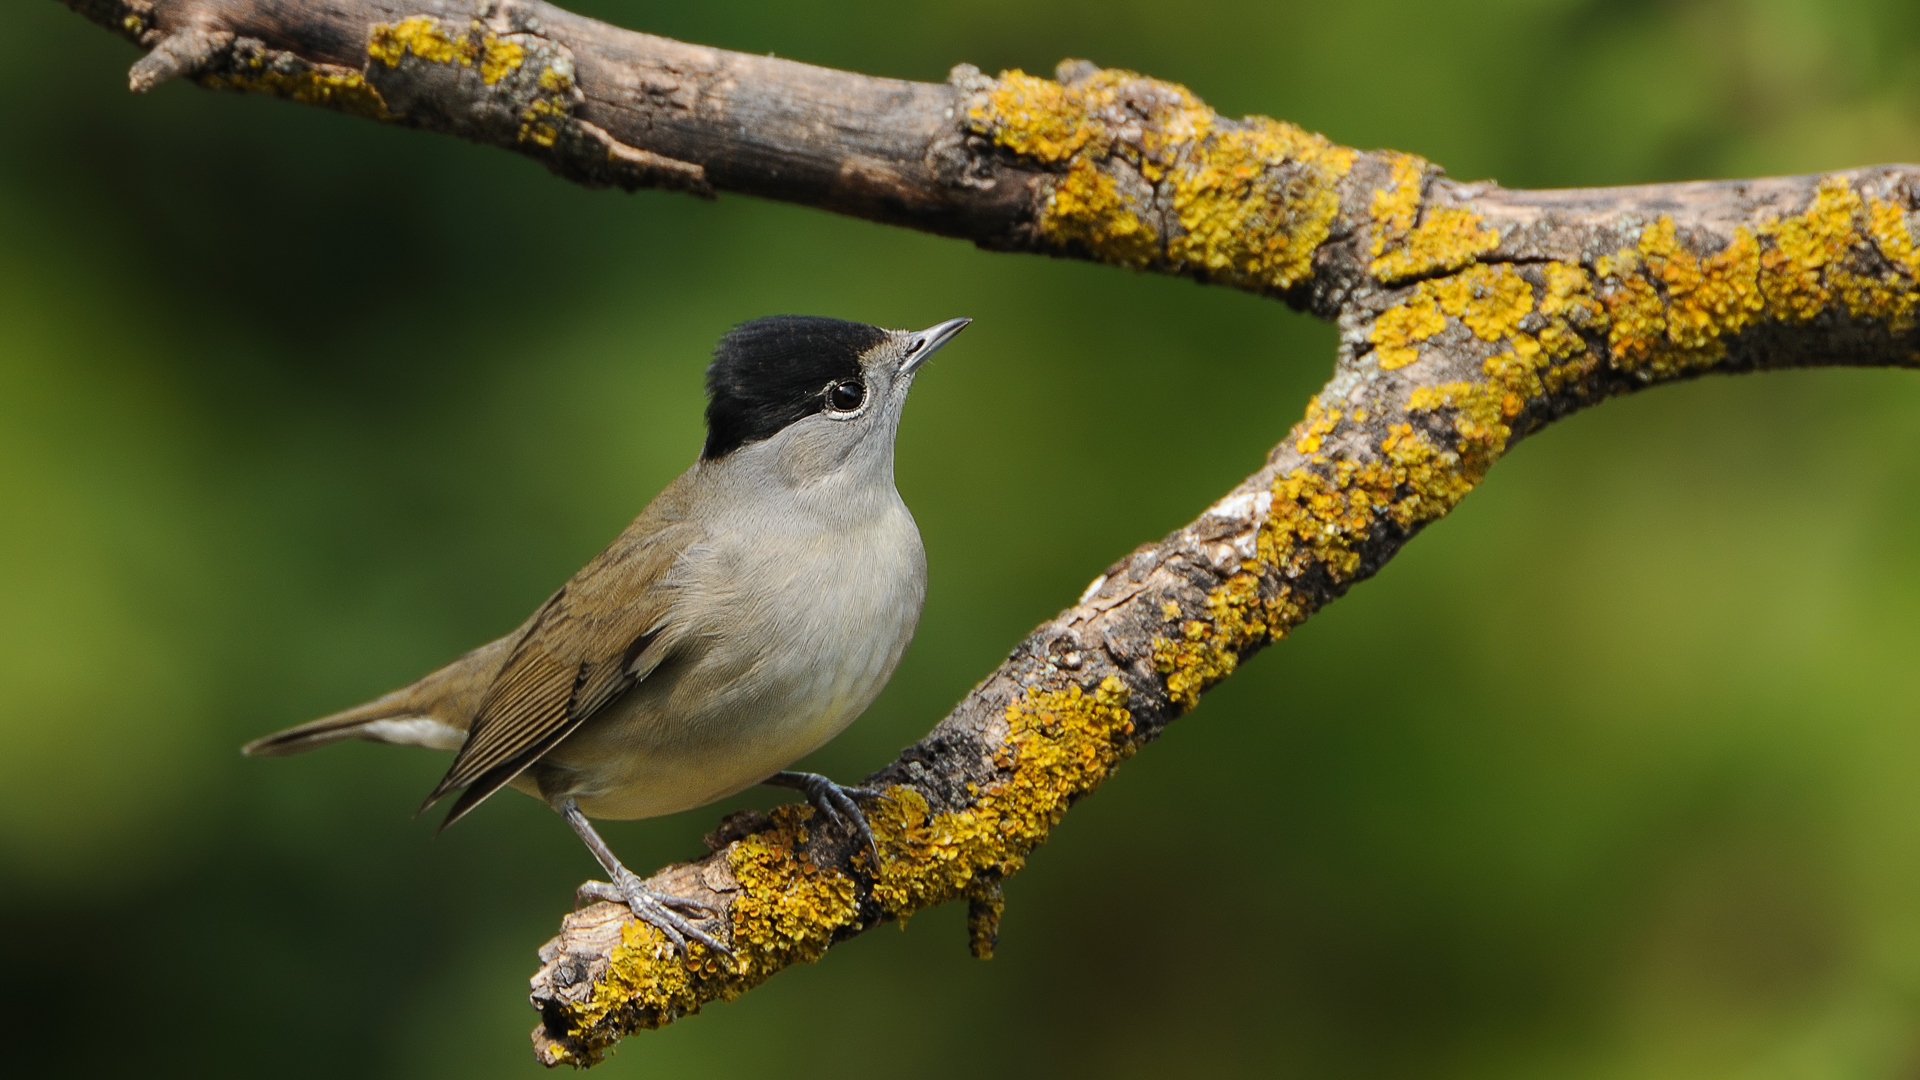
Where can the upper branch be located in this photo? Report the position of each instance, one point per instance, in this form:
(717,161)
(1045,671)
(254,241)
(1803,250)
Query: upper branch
(1470,316)
(1102,165)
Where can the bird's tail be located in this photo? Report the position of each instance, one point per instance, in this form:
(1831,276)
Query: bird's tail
(435,711)
(382,716)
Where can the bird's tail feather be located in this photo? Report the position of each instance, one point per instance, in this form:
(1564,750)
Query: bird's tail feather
(342,725)
(435,711)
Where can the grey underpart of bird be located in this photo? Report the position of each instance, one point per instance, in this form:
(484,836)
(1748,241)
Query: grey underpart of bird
(748,615)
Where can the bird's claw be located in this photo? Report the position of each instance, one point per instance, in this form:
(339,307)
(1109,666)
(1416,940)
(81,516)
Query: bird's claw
(836,804)
(657,910)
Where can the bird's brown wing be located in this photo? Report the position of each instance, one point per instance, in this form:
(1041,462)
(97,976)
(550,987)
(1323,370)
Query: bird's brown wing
(581,650)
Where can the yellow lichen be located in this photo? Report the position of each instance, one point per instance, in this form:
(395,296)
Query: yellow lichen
(1247,225)
(1445,239)
(787,909)
(1034,117)
(492,56)
(1253,200)
(1888,227)
(1086,210)
(1636,316)
(1395,207)
(1705,298)
(422,36)
(642,971)
(1314,430)
(1569,305)
(1480,411)
(1324,514)
(1494,302)
(1315,518)
(1673,312)
(984,908)
(499,58)
(1208,650)
(1518,371)
(340,89)
(429,39)
(1400,328)
(1800,270)
(1426,480)
(1569,292)
(1491,300)
(539,122)
(1060,745)
(1887,223)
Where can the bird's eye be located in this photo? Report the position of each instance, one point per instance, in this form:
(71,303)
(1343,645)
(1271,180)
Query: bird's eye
(846,395)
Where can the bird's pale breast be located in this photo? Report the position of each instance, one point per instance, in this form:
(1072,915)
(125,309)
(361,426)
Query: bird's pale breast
(779,653)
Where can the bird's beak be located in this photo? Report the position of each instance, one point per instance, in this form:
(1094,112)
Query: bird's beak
(924,344)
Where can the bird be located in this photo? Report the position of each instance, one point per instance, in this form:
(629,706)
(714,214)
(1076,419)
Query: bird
(754,609)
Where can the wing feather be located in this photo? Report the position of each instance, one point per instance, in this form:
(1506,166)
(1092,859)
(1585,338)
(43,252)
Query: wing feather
(592,640)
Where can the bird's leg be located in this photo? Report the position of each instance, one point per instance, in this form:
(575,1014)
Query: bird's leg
(833,802)
(654,909)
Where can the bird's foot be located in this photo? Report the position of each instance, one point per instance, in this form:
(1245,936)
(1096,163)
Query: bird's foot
(654,909)
(835,803)
(658,910)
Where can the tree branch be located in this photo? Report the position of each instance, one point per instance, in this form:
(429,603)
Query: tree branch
(1470,317)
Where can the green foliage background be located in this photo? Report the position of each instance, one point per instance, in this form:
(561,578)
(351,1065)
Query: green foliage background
(1615,773)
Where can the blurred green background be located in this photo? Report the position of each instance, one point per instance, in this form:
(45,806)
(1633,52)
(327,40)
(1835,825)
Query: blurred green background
(1615,773)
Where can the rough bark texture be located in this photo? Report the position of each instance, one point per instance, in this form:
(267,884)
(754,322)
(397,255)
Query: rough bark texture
(1470,317)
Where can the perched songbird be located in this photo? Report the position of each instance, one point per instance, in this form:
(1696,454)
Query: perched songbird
(748,615)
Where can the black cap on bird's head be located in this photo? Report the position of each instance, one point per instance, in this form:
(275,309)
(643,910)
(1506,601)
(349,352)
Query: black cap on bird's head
(772,372)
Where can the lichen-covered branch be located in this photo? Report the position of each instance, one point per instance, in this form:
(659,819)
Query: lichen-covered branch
(1470,317)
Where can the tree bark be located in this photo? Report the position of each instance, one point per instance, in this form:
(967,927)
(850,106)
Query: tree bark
(1470,317)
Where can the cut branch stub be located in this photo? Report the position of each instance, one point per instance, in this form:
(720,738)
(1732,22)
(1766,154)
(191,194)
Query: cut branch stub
(1470,316)
(491,76)
(185,52)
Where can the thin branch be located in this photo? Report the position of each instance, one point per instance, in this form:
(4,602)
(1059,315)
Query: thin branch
(1470,317)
